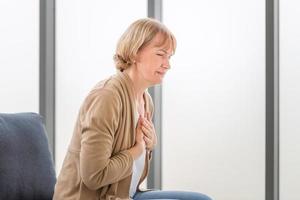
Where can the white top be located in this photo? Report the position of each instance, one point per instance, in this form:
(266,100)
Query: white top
(137,170)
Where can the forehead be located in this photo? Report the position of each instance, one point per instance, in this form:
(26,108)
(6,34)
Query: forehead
(161,41)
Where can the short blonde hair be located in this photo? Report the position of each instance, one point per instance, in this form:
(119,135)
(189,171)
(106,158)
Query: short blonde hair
(138,35)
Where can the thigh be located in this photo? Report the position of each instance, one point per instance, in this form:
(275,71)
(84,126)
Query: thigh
(180,195)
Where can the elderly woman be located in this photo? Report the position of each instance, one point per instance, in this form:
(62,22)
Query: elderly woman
(110,151)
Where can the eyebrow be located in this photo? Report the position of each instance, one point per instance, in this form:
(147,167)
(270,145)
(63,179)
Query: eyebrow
(165,51)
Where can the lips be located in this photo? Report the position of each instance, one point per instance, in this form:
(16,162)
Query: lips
(161,73)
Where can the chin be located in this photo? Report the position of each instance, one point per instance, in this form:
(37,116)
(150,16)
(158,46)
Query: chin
(155,82)
(158,81)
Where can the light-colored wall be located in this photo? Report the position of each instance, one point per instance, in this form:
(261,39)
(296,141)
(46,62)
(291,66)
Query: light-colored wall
(214,99)
(289,99)
(215,127)
(86,35)
(19,56)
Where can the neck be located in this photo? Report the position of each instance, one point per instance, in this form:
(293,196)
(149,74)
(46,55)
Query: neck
(139,84)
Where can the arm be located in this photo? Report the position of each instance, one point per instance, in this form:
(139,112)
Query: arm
(98,167)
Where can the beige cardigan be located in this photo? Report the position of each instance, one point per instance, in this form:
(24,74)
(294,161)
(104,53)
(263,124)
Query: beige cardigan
(98,164)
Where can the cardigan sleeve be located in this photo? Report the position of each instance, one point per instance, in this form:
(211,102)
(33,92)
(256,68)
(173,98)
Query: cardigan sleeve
(100,118)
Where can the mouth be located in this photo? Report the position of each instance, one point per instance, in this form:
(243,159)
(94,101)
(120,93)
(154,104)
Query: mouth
(160,73)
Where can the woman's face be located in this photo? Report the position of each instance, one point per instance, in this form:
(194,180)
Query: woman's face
(153,61)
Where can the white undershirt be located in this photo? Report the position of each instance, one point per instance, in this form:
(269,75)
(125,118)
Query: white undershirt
(137,170)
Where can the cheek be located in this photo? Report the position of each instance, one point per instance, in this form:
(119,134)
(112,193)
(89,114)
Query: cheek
(151,65)
(149,72)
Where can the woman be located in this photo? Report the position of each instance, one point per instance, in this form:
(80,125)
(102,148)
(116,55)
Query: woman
(110,151)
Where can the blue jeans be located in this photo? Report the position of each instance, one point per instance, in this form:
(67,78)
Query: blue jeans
(167,195)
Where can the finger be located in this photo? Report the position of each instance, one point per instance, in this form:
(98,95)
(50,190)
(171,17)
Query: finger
(148,144)
(146,132)
(148,135)
(149,132)
(149,123)
(147,141)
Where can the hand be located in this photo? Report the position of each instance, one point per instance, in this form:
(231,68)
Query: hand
(139,140)
(139,145)
(148,129)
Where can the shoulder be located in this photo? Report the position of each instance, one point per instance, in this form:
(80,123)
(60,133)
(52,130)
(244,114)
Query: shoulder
(106,90)
(103,98)
(100,110)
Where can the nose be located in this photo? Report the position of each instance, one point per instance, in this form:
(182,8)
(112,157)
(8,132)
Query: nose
(167,64)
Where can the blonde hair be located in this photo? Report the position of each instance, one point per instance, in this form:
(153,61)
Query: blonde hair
(138,35)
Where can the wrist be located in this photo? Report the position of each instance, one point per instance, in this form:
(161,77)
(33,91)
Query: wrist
(137,150)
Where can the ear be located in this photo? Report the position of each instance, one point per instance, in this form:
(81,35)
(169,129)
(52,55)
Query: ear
(137,57)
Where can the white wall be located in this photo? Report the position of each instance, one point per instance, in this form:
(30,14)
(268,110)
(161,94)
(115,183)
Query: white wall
(19,56)
(216,126)
(289,99)
(214,99)
(86,36)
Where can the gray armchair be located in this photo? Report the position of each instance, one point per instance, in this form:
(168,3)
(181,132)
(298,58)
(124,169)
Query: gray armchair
(26,165)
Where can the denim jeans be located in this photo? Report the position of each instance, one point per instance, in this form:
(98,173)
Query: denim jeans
(168,195)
